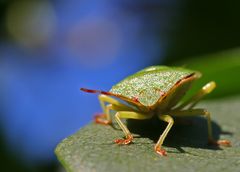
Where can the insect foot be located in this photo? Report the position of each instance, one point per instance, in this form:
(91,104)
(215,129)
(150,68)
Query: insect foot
(101,119)
(160,151)
(226,143)
(126,141)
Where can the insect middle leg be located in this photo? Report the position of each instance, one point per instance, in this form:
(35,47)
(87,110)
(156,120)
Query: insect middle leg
(205,113)
(128,115)
(191,102)
(105,118)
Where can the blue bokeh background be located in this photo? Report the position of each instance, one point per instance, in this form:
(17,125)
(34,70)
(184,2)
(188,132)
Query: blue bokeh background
(56,47)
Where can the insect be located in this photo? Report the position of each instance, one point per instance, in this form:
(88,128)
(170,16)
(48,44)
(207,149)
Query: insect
(155,90)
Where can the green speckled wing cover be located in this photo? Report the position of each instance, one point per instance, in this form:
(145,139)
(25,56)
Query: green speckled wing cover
(148,85)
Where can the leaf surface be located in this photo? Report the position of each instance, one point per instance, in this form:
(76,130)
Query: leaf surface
(92,147)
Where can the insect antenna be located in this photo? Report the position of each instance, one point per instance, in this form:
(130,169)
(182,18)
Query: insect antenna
(95,91)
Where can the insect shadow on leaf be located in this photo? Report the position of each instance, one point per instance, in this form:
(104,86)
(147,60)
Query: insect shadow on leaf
(187,132)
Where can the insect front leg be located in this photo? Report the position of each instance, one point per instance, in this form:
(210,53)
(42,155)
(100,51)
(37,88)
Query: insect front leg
(191,102)
(205,113)
(158,146)
(128,115)
(105,117)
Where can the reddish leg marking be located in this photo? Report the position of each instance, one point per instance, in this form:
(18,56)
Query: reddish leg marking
(160,151)
(219,142)
(126,141)
(101,119)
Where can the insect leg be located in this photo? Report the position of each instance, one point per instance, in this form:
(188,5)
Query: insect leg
(105,117)
(158,145)
(191,102)
(205,113)
(128,115)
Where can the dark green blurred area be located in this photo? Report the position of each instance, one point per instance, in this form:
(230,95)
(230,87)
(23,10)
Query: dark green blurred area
(207,38)
(205,27)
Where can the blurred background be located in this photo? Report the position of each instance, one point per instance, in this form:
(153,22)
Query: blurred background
(51,48)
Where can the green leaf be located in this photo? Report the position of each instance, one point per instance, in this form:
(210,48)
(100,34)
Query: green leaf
(92,147)
(222,67)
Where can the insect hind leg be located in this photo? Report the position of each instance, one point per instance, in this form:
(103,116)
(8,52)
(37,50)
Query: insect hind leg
(192,101)
(206,114)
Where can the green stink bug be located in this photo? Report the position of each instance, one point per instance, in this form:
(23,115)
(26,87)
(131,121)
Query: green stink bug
(155,90)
